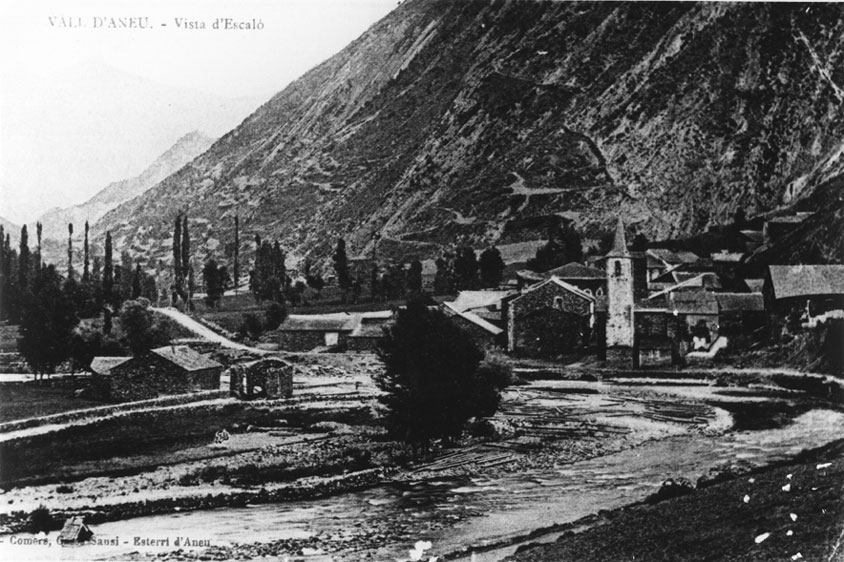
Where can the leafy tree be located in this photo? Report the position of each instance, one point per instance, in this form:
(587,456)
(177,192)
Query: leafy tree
(413,282)
(47,323)
(141,330)
(341,266)
(564,246)
(466,268)
(429,377)
(491,267)
(236,252)
(251,326)
(87,343)
(178,272)
(39,228)
(215,279)
(274,315)
(443,279)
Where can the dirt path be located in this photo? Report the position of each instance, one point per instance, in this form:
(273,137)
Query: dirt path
(206,332)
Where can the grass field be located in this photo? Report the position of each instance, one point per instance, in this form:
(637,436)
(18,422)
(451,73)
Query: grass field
(29,400)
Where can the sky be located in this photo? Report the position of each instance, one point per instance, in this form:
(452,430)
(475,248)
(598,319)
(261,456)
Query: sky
(89,95)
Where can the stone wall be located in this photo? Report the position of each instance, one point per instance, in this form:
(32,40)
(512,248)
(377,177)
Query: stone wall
(269,378)
(304,340)
(547,320)
(619,303)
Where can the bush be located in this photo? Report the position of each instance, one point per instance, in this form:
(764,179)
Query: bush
(141,331)
(64,489)
(251,326)
(274,315)
(493,374)
(40,520)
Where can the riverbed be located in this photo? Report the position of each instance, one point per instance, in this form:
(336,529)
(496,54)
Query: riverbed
(458,514)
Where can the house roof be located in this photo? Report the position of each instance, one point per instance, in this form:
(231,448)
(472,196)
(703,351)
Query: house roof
(104,365)
(694,302)
(727,257)
(671,257)
(751,302)
(576,270)
(695,281)
(791,219)
(806,280)
(320,323)
(471,300)
(754,236)
(185,357)
(74,530)
(560,283)
(755,285)
(475,319)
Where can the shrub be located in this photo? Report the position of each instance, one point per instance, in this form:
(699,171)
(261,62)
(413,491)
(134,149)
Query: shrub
(274,315)
(251,326)
(40,520)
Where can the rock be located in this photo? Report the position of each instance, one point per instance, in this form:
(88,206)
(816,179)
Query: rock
(672,488)
(725,471)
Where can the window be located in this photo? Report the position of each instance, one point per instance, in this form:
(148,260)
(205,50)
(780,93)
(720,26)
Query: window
(588,291)
(617,271)
(600,292)
(558,303)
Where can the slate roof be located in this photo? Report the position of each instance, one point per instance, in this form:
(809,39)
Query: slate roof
(320,323)
(471,300)
(576,270)
(185,357)
(754,236)
(755,285)
(104,365)
(750,302)
(806,280)
(694,302)
(74,530)
(671,257)
(475,319)
(561,283)
(619,243)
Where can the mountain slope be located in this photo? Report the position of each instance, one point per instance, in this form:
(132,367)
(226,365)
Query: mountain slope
(183,151)
(490,120)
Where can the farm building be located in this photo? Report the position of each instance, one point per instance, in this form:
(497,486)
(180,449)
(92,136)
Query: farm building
(104,365)
(176,369)
(307,332)
(265,378)
(740,313)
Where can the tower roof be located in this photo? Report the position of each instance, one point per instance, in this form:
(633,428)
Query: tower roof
(619,244)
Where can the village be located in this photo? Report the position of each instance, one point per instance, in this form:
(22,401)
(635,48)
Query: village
(646,324)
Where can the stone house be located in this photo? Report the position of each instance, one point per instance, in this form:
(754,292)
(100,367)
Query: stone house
(486,304)
(176,369)
(549,318)
(817,288)
(265,378)
(740,313)
(307,332)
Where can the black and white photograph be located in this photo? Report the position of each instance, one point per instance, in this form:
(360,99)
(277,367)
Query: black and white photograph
(421,280)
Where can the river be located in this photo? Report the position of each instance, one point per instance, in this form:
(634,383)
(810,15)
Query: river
(455,514)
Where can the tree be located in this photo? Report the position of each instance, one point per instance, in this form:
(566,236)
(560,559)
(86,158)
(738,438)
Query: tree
(466,268)
(429,376)
(141,331)
(213,277)
(443,279)
(236,252)
(274,315)
(186,265)
(86,265)
(137,281)
(47,323)
(39,228)
(69,250)
(341,266)
(491,268)
(108,272)
(413,283)
(564,246)
(24,264)
(178,273)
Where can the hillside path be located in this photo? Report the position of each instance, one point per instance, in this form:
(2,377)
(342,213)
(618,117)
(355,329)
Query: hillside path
(206,332)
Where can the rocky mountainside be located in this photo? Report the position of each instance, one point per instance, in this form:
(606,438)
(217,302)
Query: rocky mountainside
(489,120)
(183,151)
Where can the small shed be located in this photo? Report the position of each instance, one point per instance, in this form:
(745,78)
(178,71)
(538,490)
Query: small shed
(103,365)
(74,531)
(266,378)
(309,331)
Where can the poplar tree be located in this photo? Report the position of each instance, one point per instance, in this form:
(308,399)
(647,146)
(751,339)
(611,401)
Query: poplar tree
(38,229)
(24,259)
(86,265)
(178,276)
(236,252)
(108,271)
(341,266)
(70,250)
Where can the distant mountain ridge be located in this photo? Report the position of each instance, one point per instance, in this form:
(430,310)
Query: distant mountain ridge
(183,151)
(490,120)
